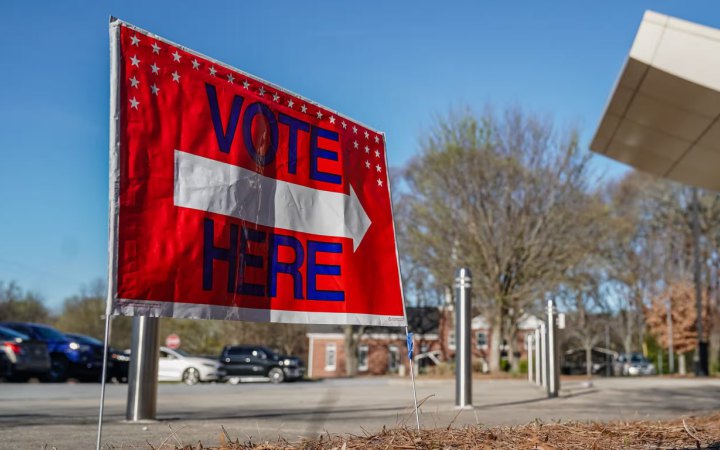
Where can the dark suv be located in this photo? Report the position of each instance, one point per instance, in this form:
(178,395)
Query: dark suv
(247,362)
(67,358)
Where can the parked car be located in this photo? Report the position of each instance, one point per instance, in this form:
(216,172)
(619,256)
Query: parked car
(178,365)
(246,362)
(633,364)
(66,358)
(118,362)
(21,357)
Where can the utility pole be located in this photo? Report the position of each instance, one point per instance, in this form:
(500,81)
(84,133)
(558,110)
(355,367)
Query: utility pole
(671,350)
(700,359)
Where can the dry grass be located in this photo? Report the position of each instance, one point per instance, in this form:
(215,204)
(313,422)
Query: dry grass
(689,433)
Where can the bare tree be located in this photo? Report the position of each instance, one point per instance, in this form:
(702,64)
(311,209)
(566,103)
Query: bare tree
(16,304)
(507,196)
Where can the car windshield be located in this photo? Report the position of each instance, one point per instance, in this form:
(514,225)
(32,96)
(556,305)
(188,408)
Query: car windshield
(49,333)
(8,334)
(181,352)
(637,359)
(84,339)
(270,354)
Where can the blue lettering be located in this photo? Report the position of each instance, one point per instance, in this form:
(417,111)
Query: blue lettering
(224,137)
(317,152)
(250,112)
(247,259)
(292,269)
(212,253)
(295,126)
(314,269)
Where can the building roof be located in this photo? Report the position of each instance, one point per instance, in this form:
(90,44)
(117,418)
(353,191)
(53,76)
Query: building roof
(662,115)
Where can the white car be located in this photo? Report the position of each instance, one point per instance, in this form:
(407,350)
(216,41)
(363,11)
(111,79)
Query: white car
(177,365)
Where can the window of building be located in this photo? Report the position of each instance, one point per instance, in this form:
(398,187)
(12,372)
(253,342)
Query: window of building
(393,358)
(451,340)
(363,358)
(481,340)
(330,357)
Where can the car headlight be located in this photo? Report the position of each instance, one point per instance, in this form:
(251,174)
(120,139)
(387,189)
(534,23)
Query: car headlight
(288,362)
(213,365)
(74,346)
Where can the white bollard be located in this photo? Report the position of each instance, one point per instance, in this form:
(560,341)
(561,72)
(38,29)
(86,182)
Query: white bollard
(530,357)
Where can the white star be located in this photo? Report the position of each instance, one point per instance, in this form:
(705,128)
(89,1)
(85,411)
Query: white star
(156,48)
(332,119)
(196,64)
(290,103)
(176,77)
(135,62)
(155,89)
(261,91)
(378,168)
(377,154)
(354,129)
(213,71)
(231,78)
(303,108)
(380,182)
(356,144)
(246,85)
(135,41)
(377,140)
(155,69)
(319,114)
(367,164)
(276,97)
(134,103)
(176,56)
(367,135)
(367,149)
(344,125)
(134,82)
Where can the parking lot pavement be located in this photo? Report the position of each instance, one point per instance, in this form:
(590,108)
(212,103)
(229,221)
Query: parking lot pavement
(65,415)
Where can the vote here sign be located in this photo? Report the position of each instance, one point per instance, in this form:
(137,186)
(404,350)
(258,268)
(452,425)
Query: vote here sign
(233,198)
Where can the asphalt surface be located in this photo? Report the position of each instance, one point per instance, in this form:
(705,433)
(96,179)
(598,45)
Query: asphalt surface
(65,416)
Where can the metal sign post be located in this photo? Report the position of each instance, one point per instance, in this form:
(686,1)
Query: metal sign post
(463,362)
(142,379)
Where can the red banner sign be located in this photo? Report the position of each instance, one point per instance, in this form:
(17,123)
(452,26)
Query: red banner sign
(232,198)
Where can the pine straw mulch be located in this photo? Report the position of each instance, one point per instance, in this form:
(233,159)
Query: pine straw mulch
(690,433)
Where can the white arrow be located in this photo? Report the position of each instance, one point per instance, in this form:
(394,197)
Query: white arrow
(213,186)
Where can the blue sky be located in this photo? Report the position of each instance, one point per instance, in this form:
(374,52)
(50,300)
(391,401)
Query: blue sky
(392,65)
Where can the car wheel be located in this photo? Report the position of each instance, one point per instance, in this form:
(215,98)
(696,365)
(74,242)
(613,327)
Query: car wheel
(276,375)
(191,376)
(59,368)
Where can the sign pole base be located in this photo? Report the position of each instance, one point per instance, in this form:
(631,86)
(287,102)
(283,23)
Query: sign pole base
(102,381)
(412,377)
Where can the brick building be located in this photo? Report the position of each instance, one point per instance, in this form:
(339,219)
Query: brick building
(383,350)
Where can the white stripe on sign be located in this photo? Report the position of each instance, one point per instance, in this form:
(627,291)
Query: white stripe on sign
(180,310)
(213,186)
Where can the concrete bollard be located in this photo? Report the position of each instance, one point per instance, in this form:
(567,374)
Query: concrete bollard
(538,368)
(530,357)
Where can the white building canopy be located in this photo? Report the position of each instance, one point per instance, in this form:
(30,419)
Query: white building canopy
(662,116)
